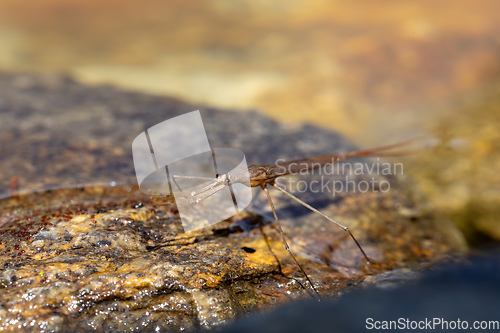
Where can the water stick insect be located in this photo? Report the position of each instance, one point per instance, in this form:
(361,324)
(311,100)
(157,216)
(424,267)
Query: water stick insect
(265,176)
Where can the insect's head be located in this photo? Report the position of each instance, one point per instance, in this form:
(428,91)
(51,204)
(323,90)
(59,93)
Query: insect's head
(224,178)
(258,175)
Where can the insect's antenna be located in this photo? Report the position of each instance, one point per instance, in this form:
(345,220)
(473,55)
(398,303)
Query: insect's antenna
(325,216)
(284,239)
(425,141)
(175,177)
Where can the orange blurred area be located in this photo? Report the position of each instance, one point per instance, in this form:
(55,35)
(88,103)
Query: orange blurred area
(372,70)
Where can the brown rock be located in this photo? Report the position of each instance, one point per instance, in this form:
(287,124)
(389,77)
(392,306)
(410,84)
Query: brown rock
(80,258)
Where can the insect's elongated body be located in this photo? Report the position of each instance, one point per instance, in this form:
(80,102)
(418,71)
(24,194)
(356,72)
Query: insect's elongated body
(266,175)
(263,175)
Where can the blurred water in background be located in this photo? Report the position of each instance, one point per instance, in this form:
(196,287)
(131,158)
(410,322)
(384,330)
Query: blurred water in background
(372,70)
(378,72)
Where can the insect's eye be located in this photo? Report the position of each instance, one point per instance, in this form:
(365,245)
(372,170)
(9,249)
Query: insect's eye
(217,175)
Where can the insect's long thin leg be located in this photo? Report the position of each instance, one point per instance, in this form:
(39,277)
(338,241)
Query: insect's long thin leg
(214,183)
(325,216)
(175,181)
(193,177)
(174,177)
(192,199)
(284,238)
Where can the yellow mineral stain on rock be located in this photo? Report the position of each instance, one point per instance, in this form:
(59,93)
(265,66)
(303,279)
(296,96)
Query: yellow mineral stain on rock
(142,215)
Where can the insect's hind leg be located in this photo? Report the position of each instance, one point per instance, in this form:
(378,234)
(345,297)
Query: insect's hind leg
(264,188)
(325,216)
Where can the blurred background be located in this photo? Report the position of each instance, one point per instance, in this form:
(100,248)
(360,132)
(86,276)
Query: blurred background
(376,71)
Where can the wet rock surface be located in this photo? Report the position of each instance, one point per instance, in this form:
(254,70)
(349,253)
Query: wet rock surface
(76,255)
(84,264)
